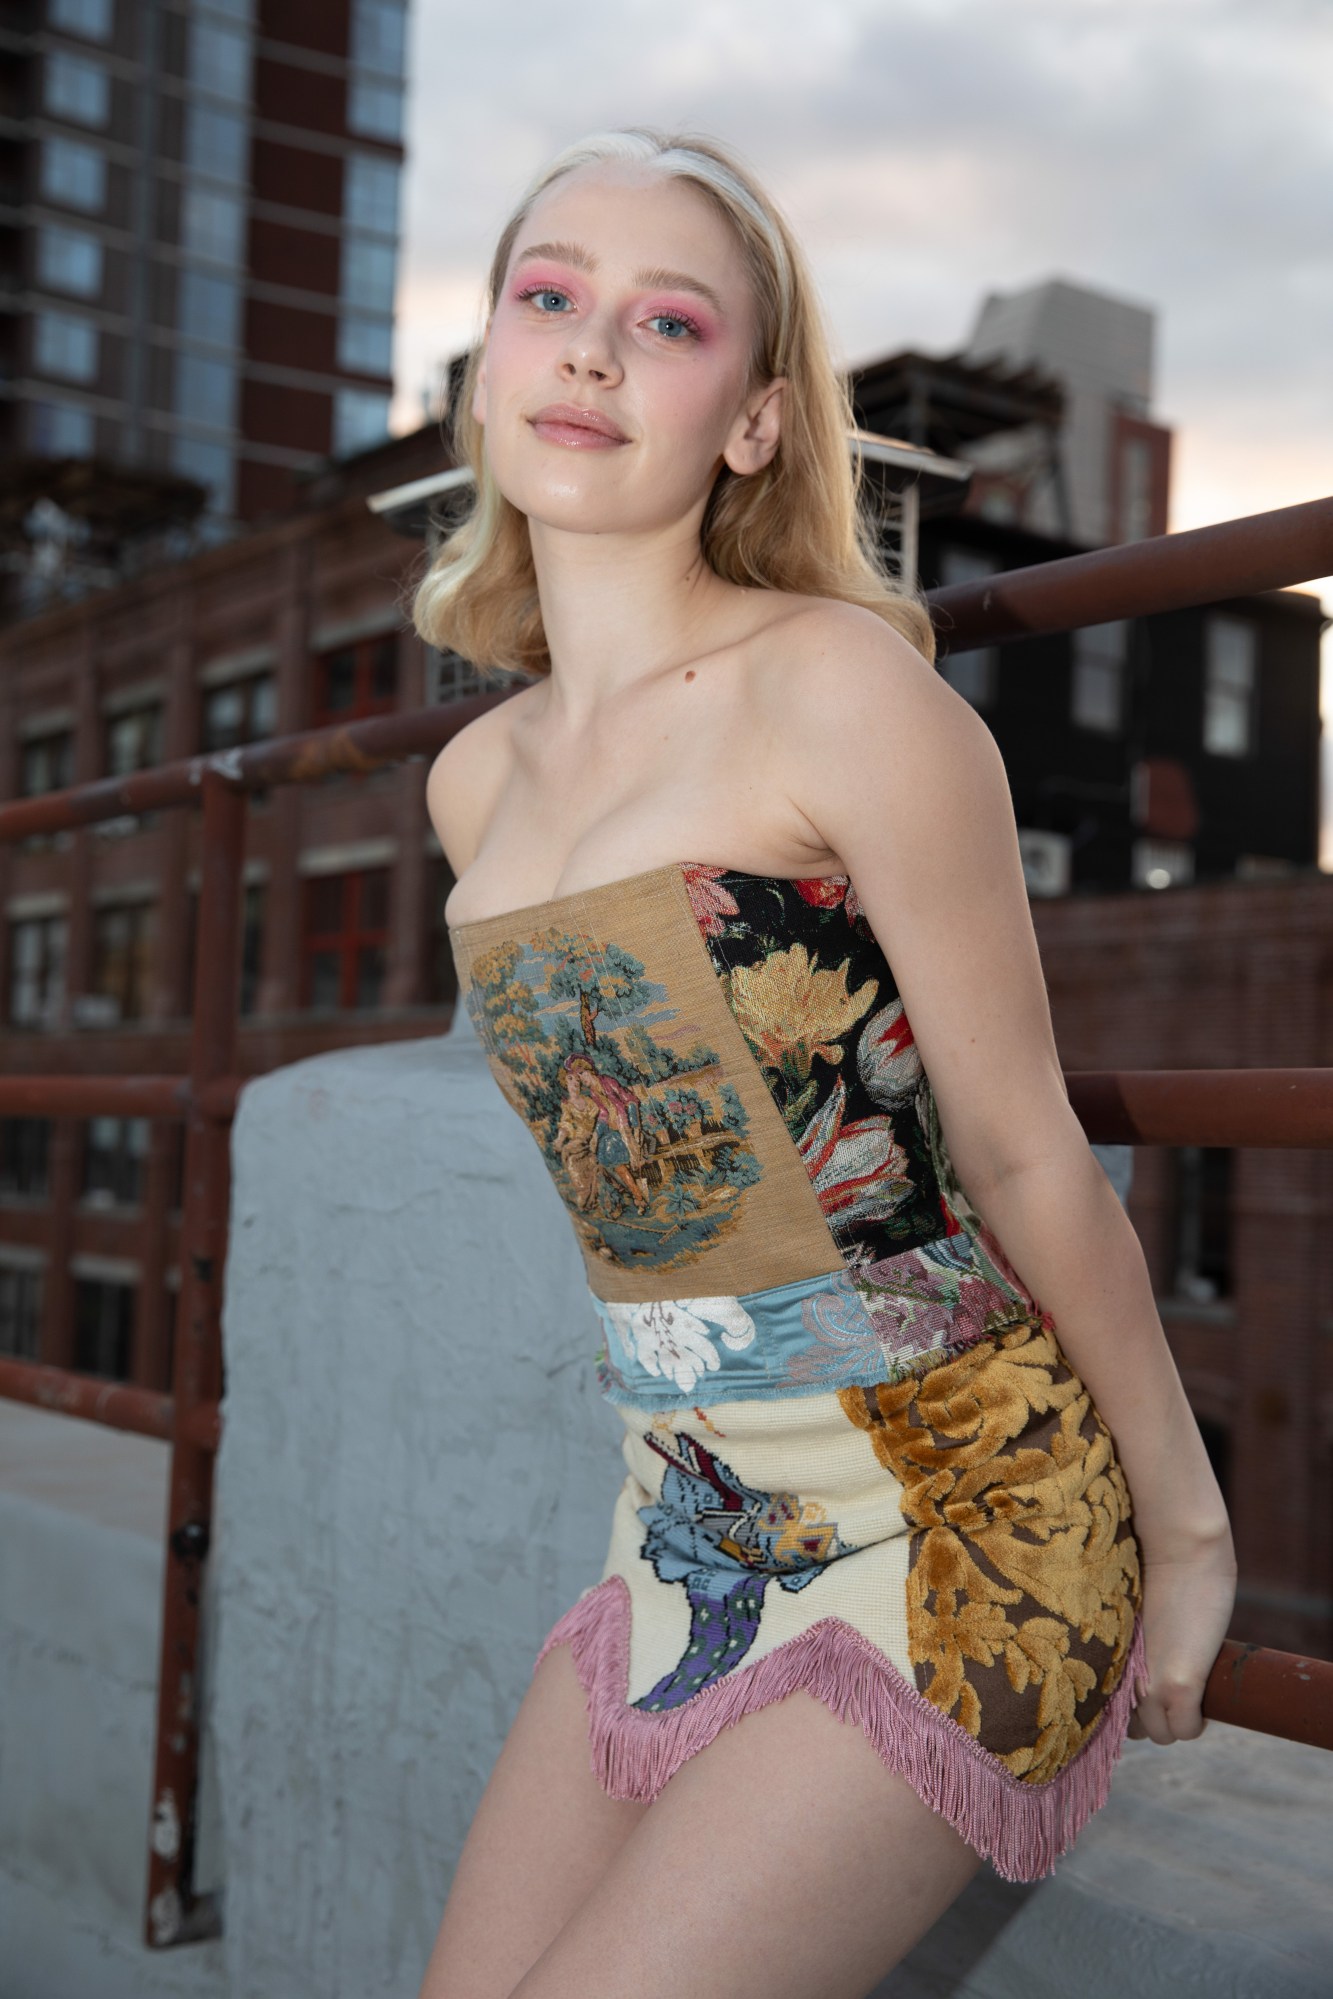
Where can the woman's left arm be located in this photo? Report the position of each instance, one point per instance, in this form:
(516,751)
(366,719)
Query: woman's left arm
(893,771)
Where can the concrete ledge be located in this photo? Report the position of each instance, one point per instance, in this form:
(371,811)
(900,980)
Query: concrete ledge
(1209,1873)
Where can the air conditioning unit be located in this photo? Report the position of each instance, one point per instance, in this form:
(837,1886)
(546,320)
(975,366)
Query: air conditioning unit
(1045,859)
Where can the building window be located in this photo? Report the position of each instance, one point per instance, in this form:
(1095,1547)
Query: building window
(1231,649)
(208,307)
(220,60)
(134,739)
(103,1327)
(370,194)
(241,711)
(365,345)
(20,1312)
(378,51)
(1201,1223)
(356,680)
(1098,686)
(25,1145)
(37,970)
(46,763)
(379,35)
(65,346)
(360,419)
(449,676)
(375,109)
(115,1150)
(74,174)
(69,260)
(217,143)
(122,954)
(60,430)
(972,673)
(77,88)
(93,19)
(367,275)
(213,225)
(206,390)
(345,938)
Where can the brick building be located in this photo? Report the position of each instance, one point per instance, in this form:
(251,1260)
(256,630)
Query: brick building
(293,626)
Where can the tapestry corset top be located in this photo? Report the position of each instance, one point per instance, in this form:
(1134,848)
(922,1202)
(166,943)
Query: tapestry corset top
(719,1073)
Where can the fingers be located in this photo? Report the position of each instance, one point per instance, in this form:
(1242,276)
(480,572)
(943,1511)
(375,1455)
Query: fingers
(1177,1717)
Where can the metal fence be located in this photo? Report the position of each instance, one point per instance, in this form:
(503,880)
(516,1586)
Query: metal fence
(1276,1692)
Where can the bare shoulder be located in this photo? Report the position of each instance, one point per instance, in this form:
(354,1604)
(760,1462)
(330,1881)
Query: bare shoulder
(848,703)
(841,653)
(467,776)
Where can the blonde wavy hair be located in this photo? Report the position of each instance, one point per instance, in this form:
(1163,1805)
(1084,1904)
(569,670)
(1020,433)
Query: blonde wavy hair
(797,525)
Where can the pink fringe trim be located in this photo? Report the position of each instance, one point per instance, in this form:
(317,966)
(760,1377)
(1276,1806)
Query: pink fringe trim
(1022,1829)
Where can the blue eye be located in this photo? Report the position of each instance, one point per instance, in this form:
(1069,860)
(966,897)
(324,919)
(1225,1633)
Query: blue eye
(542,291)
(673,319)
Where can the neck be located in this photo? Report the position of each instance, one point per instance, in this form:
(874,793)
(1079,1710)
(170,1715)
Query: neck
(617,609)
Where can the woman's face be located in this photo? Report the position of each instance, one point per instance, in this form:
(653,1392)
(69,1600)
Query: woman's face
(625,296)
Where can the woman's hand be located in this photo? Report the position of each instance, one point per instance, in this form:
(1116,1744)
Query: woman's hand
(1187,1602)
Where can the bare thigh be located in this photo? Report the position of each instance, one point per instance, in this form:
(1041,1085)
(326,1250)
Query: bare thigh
(543,1835)
(784,1861)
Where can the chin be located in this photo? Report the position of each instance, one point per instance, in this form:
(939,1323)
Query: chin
(576,511)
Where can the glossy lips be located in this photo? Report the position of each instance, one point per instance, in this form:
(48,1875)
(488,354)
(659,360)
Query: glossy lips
(566,423)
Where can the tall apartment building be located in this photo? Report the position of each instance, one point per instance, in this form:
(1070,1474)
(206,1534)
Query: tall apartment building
(198,235)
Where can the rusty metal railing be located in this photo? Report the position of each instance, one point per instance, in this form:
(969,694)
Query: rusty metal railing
(1275,1692)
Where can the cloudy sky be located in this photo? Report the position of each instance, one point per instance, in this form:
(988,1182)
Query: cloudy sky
(1178,153)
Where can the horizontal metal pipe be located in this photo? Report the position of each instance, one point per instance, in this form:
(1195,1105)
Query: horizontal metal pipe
(1277,1693)
(1240,1107)
(95,1096)
(1165,572)
(114,1403)
(297,759)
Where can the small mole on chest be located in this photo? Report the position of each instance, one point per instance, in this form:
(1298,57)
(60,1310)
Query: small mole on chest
(689,673)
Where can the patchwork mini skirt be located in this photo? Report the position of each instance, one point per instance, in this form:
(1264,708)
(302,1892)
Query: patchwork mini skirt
(946,1561)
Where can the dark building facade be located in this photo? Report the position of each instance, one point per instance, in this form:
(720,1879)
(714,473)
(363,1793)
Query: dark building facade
(1152,751)
(198,235)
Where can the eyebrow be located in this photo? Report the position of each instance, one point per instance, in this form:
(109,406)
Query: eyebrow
(575,254)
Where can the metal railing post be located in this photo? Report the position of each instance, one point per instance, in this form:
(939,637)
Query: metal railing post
(175,1912)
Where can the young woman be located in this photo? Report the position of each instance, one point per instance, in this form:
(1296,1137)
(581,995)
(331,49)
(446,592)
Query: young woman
(737,855)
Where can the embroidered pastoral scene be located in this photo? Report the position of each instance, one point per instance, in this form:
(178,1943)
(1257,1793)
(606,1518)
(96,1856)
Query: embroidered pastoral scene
(646,1140)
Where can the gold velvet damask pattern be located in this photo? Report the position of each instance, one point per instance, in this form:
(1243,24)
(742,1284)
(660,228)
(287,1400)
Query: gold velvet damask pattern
(1024,1575)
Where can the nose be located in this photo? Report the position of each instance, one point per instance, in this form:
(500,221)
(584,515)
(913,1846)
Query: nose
(590,353)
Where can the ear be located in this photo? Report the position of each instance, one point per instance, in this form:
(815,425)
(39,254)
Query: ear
(479,395)
(757,430)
